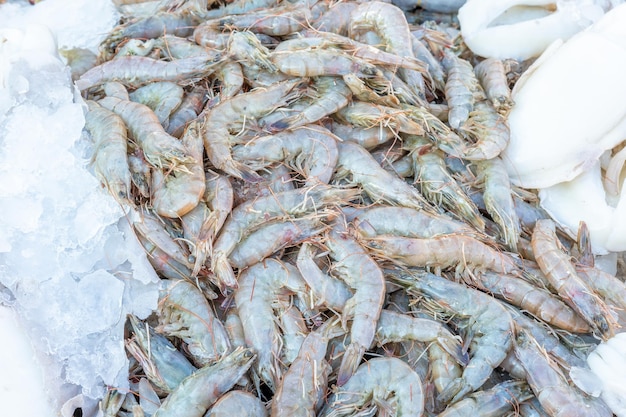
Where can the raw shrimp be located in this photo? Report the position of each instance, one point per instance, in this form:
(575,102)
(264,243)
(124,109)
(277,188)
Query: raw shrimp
(336,19)
(460,89)
(245,47)
(550,386)
(273,237)
(490,129)
(176,193)
(160,149)
(490,326)
(389,383)
(407,222)
(322,62)
(331,94)
(563,278)
(276,179)
(115,89)
(496,401)
(259,288)
(238,403)
(390,24)
(304,384)
(358,164)
(363,92)
(240,7)
(278,21)
(174,47)
(230,77)
(110,163)
(184,312)
(466,254)
(437,185)
(443,367)
(435,70)
(491,74)
(229,114)
(498,199)
(368,137)
(396,327)
(537,301)
(200,390)
(80,60)
(162,97)
(135,71)
(608,286)
(137,47)
(311,150)
(162,363)
(189,108)
(362,274)
(202,224)
(163,263)
(368,115)
(263,209)
(294,330)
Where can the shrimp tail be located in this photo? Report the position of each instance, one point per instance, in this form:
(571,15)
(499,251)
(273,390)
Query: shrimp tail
(349,363)
(224,275)
(454,391)
(455,350)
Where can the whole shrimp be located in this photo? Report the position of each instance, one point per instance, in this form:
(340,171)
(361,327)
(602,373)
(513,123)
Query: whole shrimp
(362,91)
(367,137)
(238,403)
(110,163)
(184,312)
(498,199)
(162,97)
(390,24)
(197,392)
(313,150)
(491,74)
(304,384)
(489,324)
(362,274)
(490,130)
(550,386)
(331,94)
(229,114)
(562,276)
(246,48)
(357,164)
(160,149)
(389,383)
(437,184)
(461,87)
(366,115)
(259,287)
(322,62)
(176,193)
(608,286)
(467,255)
(253,213)
(498,400)
(135,71)
(278,21)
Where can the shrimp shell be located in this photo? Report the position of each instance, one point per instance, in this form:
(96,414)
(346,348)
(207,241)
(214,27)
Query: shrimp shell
(492,76)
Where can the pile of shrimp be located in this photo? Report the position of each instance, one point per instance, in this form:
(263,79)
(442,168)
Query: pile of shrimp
(319,187)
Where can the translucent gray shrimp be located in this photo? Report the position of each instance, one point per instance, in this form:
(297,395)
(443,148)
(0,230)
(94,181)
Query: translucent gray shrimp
(273,237)
(444,369)
(369,115)
(304,385)
(184,312)
(162,97)
(277,21)
(389,383)
(495,401)
(177,192)
(110,162)
(200,390)
(230,77)
(437,185)
(550,386)
(231,115)
(390,24)
(162,262)
(363,275)
(276,179)
(246,48)
(80,60)
(562,276)
(363,92)
(312,150)
(115,89)
(489,325)
(490,131)
(437,74)
(240,7)
(331,94)
(358,166)
(322,62)
(238,403)
(537,301)
(465,254)
(259,288)
(135,71)
(189,108)
(163,364)
(160,149)
(367,137)
(498,198)
(491,74)
(461,85)
(253,213)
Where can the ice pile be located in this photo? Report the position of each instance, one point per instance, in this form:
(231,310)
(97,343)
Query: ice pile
(69,263)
